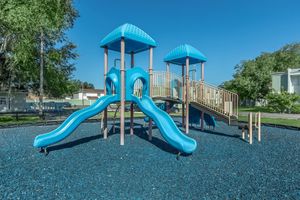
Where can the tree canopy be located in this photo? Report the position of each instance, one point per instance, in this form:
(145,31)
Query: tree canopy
(252,78)
(22,23)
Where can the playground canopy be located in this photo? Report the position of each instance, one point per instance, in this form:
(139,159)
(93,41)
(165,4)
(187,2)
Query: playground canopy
(136,39)
(179,54)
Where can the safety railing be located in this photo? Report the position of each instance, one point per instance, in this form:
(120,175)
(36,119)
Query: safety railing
(138,88)
(171,85)
(216,98)
(167,85)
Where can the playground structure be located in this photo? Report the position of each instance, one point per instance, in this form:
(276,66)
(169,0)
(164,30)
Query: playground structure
(249,127)
(136,86)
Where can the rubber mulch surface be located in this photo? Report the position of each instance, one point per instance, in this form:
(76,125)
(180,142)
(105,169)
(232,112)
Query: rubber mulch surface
(85,166)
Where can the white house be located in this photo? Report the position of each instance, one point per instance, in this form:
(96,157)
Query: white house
(89,94)
(288,81)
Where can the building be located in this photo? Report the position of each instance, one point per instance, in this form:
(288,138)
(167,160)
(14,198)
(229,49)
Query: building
(288,81)
(89,94)
(17,101)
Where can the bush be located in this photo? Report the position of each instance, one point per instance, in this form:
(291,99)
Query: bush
(6,119)
(283,102)
(296,109)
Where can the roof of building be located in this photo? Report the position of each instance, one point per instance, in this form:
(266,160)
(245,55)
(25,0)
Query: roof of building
(136,40)
(179,54)
(292,71)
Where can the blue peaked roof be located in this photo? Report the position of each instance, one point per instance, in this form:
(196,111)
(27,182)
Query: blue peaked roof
(179,54)
(136,40)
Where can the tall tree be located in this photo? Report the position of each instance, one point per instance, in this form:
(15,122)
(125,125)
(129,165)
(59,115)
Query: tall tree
(53,18)
(35,29)
(252,78)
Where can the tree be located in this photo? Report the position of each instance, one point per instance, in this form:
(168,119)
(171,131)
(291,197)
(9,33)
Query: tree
(53,18)
(86,85)
(14,46)
(31,32)
(252,78)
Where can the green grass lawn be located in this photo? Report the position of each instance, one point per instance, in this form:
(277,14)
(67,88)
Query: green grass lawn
(265,109)
(11,120)
(254,109)
(288,122)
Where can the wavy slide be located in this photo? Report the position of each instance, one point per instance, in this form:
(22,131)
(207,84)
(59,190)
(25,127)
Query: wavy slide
(166,125)
(73,121)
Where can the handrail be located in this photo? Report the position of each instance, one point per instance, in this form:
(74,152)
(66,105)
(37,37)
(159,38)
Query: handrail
(167,85)
(220,88)
(213,97)
(217,99)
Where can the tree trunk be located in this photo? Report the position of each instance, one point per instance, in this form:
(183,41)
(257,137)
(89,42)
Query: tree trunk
(8,99)
(4,44)
(42,43)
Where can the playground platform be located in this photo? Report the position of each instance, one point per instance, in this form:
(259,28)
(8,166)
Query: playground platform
(85,166)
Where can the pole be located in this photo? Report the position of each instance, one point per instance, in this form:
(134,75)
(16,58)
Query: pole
(122,70)
(82,100)
(202,121)
(243,133)
(105,74)
(202,71)
(41,95)
(250,127)
(131,105)
(187,89)
(259,126)
(168,82)
(150,86)
(202,88)
(183,96)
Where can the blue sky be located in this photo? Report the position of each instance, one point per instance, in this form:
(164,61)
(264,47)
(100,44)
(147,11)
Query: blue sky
(227,32)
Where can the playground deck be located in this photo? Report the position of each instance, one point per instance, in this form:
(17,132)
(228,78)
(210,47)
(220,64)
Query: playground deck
(84,166)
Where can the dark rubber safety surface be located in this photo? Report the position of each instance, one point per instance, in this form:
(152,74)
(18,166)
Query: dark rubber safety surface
(85,166)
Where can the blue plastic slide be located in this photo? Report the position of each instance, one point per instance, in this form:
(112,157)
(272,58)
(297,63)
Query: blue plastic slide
(166,125)
(73,121)
(164,122)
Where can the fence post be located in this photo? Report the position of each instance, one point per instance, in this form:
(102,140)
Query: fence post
(259,126)
(250,127)
(243,133)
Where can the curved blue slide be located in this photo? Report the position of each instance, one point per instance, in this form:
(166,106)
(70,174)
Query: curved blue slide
(166,125)
(73,121)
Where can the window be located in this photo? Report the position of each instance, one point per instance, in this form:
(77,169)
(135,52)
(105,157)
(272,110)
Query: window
(295,80)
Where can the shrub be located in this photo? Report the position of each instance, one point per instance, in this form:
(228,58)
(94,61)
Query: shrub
(296,109)
(282,102)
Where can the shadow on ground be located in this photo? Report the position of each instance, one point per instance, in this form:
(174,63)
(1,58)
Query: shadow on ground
(213,132)
(139,131)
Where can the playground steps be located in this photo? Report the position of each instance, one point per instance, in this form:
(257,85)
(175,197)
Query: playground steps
(230,120)
(216,101)
(213,100)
